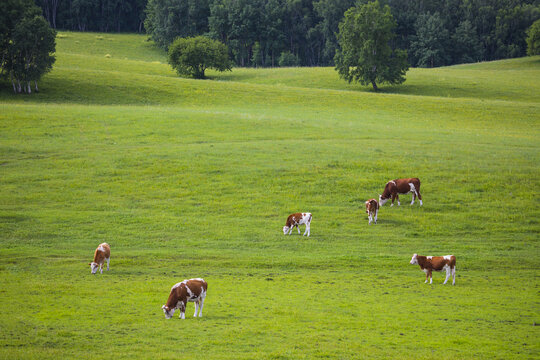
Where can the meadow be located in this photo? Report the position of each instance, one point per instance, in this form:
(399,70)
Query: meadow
(195,178)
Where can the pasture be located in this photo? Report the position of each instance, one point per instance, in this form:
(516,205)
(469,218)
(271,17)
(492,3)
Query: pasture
(188,178)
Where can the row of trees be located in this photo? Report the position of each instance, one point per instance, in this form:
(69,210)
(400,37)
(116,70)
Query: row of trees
(95,15)
(27,44)
(303,32)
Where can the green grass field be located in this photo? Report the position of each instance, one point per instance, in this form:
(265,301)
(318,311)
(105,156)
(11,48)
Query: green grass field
(188,178)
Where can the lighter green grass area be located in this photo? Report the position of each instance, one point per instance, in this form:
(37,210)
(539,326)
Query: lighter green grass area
(188,178)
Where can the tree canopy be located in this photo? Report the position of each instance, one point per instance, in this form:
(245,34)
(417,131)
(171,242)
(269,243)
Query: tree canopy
(257,32)
(364,52)
(27,44)
(192,56)
(533,39)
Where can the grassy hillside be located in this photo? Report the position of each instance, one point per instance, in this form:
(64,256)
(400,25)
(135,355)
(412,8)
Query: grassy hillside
(187,178)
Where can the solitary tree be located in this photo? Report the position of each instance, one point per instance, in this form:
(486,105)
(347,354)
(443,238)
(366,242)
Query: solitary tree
(27,44)
(533,39)
(364,52)
(192,56)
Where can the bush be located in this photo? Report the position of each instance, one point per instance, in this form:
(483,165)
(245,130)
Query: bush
(288,59)
(192,56)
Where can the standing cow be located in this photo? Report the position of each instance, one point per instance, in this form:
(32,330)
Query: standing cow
(102,254)
(296,220)
(372,209)
(436,263)
(193,290)
(400,186)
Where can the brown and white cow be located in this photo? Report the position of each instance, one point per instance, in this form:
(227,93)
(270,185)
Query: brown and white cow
(395,187)
(372,209)
(102,254)
(296,220)
(193,290)
(437,263)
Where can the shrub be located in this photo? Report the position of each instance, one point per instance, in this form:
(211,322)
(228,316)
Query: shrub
(192,56)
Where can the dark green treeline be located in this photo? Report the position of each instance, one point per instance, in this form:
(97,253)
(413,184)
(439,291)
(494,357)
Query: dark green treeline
(302,32)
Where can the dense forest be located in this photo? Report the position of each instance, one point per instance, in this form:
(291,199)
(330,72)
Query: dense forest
(303,32)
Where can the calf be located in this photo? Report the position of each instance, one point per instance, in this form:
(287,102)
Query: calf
(437,263)
(372,208)
(102,254)
(295,220)
(193,290)
(400,186)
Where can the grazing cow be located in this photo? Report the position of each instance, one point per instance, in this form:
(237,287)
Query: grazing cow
(400,186)
(295,220)
(372,208)
(193,290)
(437,263)
(102,254)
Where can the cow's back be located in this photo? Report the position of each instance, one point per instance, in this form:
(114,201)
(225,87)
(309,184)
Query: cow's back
(403,187)
(439,262)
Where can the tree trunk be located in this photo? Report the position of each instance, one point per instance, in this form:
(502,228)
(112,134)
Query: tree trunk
(29,88)
(37,90)
(13,83)
(374,86)
(46,10)
(53,11)
(19,89)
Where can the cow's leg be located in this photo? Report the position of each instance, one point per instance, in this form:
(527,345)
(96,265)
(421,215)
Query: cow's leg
(397,197)
(413,191)
(101,268)
(419,196)
(369,217)
(298,228)
(430,277)
(393,198)
(376,212)
(290,230)
(308,228)
(108,259)
(201,306)
(182,309)
(454,275)
(196,308)
(427,276)
(448,272)
(183,312)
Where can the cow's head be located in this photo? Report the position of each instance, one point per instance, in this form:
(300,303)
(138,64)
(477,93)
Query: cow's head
(414,259)
(168,311)
(382,201)
(285,229)
(94,267)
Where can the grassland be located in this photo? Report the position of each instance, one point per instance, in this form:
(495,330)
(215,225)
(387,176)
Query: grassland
(187,178)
